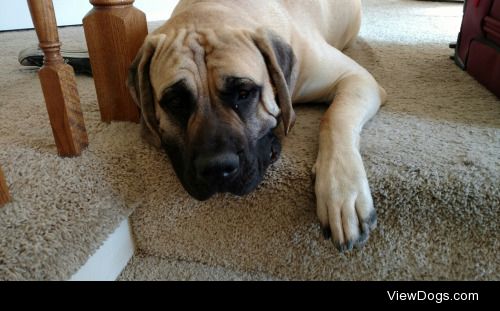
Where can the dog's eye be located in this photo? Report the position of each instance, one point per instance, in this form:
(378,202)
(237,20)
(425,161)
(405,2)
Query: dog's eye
(178,102)
(174,103)
(243,95)
(247,94)
(240,94)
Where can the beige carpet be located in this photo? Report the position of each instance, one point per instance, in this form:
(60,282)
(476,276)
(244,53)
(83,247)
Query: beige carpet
(432,156)
(151,268)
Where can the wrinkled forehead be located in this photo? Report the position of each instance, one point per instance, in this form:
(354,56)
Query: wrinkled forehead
(205,56)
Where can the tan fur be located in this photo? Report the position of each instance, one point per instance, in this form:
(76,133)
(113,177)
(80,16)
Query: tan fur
(206,40)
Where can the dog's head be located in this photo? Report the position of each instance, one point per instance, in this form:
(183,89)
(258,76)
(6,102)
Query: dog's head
(212,99)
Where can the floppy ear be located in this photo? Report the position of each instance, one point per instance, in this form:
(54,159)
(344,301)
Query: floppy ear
(281,64)
(140,88)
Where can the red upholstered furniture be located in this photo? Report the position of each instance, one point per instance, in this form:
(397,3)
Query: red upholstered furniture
(478,46)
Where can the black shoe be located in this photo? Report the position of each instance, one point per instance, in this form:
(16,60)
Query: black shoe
(78,59)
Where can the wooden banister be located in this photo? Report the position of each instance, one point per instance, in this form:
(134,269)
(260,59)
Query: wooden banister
(58,83)
(4,190)
(114,30)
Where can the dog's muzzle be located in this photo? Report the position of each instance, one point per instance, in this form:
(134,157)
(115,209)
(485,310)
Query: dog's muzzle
(234,170)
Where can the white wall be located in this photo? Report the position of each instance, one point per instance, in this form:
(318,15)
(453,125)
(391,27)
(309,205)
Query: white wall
(156,10)
(14,14)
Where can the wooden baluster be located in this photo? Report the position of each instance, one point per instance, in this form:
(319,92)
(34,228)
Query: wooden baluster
(4,190)
(114,30)
(58,83)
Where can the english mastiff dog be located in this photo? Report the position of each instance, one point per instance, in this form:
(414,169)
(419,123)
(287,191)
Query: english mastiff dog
(215,80)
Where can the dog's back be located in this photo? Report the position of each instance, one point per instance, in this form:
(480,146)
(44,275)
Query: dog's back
(337,21)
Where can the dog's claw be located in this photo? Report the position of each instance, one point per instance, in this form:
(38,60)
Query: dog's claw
(362,238)
(344,248)
(349,246)
(327,233)
(341,247)
(372,220)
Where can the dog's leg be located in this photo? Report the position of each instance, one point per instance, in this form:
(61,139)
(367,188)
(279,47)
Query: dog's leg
(344,203)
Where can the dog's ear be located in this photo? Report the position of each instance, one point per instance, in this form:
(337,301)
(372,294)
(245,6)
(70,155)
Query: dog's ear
(140,88)
(281,64)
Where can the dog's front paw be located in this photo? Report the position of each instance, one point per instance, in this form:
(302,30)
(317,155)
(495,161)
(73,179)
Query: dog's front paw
(344,202)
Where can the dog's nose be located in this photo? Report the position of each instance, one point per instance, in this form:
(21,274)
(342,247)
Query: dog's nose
(217,168)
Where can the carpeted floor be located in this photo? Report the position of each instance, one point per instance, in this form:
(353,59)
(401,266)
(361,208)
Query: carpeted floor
(432,155)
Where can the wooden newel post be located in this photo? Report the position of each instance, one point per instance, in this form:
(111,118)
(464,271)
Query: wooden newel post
(58,83)
(114,30)
(4,190)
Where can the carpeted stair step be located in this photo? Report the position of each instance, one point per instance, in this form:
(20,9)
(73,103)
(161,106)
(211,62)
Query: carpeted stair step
(151,268)
(62,209)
